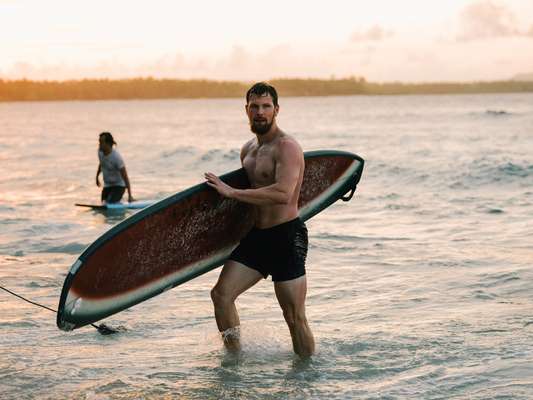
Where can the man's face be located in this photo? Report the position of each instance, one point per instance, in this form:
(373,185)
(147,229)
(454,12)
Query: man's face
(102,145)
(261,113)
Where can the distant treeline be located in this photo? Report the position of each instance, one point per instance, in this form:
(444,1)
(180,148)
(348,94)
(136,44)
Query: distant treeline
(149,88)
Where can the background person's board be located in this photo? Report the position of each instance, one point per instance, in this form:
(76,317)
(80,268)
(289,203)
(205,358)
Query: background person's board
(138,204)
(181,237)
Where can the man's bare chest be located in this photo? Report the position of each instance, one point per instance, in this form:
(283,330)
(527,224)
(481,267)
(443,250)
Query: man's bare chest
(260,168)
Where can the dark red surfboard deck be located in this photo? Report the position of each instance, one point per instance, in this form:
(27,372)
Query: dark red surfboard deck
(191,227)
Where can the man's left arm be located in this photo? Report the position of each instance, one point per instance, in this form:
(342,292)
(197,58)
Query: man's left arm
(124,175)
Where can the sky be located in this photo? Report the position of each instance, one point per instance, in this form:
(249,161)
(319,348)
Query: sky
(247,40)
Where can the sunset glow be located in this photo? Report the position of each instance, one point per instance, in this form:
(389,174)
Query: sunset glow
(382,40)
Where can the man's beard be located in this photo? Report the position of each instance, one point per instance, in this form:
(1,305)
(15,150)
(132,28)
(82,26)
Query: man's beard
(260,128)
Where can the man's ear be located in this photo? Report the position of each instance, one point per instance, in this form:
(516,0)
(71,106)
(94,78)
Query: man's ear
(276,110)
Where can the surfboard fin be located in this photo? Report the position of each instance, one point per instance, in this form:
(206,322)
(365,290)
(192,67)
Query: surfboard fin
(349,196)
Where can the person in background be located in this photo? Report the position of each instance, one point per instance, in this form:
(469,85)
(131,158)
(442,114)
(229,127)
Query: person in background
(112,166)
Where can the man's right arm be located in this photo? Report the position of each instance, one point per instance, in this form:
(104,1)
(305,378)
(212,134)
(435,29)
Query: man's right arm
(288,165)
(245,149)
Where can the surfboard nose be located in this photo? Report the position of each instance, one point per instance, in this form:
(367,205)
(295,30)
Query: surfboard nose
(63,324)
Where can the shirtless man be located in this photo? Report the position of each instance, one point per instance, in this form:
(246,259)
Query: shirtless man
(277,245)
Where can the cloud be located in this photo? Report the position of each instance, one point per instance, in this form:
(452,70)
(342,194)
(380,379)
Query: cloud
(390,60)
(374,34)
(239,57)
(485,19)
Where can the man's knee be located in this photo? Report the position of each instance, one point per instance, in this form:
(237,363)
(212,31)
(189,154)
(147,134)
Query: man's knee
(294,318)
(216,295)
(221,297)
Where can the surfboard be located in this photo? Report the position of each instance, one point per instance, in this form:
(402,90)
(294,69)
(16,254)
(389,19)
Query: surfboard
(183,236)
(118,206)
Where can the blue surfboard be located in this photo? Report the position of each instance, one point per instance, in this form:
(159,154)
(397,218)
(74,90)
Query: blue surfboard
(134,205)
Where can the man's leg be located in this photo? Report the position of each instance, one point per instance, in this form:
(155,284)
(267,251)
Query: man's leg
(104,194)
(234,279)
(291,297)
(115,194)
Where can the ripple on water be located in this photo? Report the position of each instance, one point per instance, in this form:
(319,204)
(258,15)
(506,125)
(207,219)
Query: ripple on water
(495,280)
(11,221)
(167,375)
(43,283)
(69,248)
(487,171)
(179,152)
(19,324)
(217,154)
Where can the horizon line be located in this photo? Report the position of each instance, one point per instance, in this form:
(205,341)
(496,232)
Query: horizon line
(360,79)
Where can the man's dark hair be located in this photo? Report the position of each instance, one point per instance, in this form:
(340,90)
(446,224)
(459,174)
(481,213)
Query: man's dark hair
(108,138)
(262,89)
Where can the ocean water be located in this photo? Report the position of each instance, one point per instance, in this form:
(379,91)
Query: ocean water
(421,287)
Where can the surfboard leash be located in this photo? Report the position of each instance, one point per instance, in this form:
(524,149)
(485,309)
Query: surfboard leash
(102,328)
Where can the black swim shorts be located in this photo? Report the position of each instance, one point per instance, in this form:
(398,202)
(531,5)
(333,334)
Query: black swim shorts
(279,251)
(112,194)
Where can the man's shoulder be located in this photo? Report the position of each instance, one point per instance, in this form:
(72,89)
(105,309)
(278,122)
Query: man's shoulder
(115,154)
(246,147)
(249,143)
(288,144)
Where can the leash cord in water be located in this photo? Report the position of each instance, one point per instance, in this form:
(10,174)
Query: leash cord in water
(102,328)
